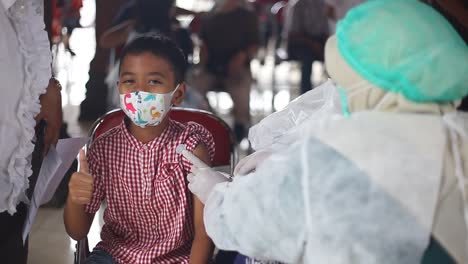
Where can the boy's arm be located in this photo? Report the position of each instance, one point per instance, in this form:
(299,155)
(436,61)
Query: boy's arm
(202,247)
(77,221)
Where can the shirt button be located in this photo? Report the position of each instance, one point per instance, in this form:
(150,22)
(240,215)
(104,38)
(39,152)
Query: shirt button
(145,171)
(153,226)
(145,147)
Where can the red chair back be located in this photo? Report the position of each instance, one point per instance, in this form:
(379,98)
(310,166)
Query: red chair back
(223,136)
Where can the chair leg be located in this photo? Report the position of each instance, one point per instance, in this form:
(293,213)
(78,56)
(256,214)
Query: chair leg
(82,251)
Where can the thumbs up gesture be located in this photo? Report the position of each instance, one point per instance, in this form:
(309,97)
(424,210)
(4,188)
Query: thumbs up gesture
(81,183)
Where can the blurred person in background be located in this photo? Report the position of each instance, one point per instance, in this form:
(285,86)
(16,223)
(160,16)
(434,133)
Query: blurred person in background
(143,16)
(266,21)
(336,10)
(230,37)
(96,89)
(306,30)
(147,16)
(456,12)
(70,19)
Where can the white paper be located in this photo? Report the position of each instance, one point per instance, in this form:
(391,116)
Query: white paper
(67,150)
(54,166)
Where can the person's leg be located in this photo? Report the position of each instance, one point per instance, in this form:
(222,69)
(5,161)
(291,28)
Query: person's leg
(306,55)
(239,89)
(99,257)
(202,81)
(94,104)
(306,60)
(12,250)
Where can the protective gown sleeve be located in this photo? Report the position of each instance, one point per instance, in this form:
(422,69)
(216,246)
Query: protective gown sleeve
(261,214)
(310,204)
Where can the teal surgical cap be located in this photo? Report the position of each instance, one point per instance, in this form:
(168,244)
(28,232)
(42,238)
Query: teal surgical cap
(406,47)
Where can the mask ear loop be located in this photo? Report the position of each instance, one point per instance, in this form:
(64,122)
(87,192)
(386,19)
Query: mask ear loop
(351,91)
(177,87)
(173,92)
(344,102)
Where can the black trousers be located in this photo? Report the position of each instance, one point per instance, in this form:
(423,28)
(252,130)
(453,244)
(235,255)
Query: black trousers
(12,249)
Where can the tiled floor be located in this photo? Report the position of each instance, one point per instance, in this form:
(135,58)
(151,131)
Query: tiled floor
(49,243)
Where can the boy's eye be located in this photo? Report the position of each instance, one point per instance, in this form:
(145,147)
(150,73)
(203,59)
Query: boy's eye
(154,82)
(128,81)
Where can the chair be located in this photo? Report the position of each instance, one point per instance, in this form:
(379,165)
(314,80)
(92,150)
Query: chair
(225,154)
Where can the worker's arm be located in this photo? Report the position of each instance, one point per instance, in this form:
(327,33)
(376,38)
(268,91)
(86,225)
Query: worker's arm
(202,247)
(260,214)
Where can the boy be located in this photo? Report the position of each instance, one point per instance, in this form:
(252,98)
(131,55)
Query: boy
(151,217)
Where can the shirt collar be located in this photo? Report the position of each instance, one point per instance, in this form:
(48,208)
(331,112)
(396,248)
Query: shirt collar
(161,140)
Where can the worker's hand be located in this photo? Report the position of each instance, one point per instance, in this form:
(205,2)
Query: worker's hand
(203,180)
(51,113)
(237,64)
(250,163)
(81,183)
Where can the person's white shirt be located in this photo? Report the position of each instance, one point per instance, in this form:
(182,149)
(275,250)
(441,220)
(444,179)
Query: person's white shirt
(25,69)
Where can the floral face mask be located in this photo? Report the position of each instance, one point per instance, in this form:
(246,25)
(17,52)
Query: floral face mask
(146,109)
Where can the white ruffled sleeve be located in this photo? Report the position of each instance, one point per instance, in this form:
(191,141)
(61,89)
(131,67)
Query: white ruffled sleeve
(26,19)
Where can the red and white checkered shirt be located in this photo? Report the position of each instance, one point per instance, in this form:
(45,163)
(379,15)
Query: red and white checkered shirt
(149,214)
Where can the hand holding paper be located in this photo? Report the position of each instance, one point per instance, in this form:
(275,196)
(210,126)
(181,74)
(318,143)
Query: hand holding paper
(54,166)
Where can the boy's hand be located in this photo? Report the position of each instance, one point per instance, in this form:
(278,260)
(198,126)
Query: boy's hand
(81,183)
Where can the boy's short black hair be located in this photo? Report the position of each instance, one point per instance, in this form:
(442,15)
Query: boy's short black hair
(160,46)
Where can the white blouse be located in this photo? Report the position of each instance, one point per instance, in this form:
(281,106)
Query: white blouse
(25,68)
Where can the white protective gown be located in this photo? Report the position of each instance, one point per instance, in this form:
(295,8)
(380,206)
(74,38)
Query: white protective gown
(366,189)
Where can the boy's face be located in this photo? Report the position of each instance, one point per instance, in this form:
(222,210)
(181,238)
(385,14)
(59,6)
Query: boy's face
(148,73)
